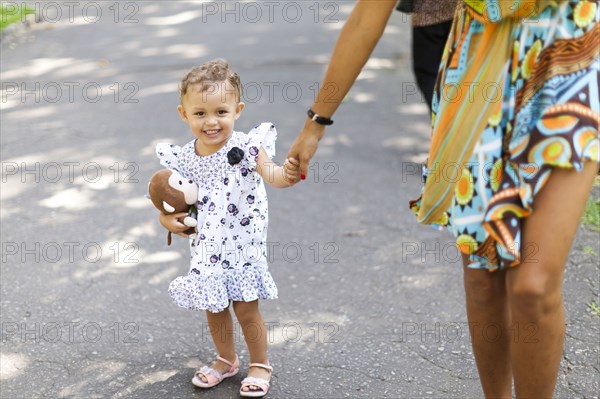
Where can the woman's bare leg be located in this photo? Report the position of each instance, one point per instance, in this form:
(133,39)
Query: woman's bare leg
(489,326)
(534,288)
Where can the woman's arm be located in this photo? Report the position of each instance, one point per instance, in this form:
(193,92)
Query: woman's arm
(354,46)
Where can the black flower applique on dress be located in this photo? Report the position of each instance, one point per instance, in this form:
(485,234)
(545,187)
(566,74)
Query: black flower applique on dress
(235,155)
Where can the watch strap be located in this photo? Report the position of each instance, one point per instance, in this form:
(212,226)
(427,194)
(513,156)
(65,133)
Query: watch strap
(321,120)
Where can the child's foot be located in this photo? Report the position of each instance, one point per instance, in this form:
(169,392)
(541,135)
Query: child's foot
(208,377)
(256,384)
(219,366)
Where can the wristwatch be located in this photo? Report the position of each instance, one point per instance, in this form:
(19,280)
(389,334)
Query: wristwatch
(321,120)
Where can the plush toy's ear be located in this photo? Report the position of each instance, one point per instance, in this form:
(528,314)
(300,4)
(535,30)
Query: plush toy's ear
(168,207)
(156,187)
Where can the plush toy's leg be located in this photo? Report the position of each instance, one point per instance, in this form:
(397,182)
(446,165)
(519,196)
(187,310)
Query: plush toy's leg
(190,221)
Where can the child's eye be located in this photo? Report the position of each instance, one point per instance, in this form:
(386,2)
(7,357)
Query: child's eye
(222,112)
(199,113)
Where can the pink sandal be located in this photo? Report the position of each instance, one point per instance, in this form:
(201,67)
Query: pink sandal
(259,382)
(213,377)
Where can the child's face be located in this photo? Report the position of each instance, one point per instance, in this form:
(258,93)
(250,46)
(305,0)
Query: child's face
(210,114)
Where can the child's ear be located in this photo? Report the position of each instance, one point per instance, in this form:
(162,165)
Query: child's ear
(182,113)
(239,109)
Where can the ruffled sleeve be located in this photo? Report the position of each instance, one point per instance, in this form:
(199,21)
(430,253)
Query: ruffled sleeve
(168,154)
(263,135)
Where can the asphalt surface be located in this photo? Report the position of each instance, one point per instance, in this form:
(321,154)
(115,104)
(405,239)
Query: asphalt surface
(371,304)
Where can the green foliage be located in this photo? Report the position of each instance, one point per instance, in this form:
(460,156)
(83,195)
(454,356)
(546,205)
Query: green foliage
(595,308)
(591,215)
(589,251)
(13,12)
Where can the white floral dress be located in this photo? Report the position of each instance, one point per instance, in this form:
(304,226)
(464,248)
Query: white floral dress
(228,255)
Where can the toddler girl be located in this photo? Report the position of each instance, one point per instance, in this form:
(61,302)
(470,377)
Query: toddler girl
(228,254)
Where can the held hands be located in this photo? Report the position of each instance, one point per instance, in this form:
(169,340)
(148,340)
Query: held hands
(305,146)
(291,171)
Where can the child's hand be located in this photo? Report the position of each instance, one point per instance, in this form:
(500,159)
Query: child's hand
(291,170)
(171,223)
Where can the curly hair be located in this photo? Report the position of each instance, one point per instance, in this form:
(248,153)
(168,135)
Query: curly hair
(209,73)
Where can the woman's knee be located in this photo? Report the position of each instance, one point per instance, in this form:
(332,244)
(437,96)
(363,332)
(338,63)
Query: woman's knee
(482,287)
(534,296)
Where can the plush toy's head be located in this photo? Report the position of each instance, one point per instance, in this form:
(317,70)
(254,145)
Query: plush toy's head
(172,193)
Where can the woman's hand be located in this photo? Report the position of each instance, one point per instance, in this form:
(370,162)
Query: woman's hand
(171,223)
(305,146)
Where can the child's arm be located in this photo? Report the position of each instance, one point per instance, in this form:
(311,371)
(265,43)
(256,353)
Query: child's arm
(275,175)
(170,222)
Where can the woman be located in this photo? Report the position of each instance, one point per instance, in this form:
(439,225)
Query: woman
(516,117)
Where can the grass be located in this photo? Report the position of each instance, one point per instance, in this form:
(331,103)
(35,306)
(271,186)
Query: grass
(595,308)
(12,13)
(591,214)
(589,251)
(591,218)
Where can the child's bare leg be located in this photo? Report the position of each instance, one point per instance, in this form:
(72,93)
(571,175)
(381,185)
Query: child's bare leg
(255,334)
(221,330)
(534,288)
(488,317)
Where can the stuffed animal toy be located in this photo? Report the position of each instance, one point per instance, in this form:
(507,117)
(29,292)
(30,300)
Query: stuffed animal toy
(172,193)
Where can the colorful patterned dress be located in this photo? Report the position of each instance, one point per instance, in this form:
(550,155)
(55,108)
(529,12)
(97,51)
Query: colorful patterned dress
(517,96)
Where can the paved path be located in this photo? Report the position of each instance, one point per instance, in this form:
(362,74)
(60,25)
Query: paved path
(371,304)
